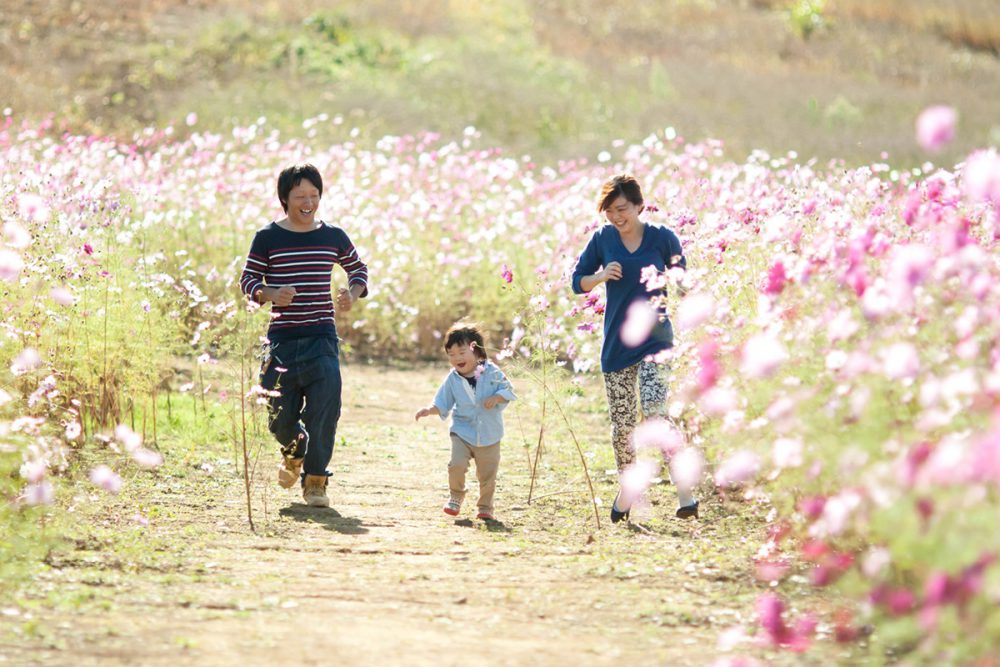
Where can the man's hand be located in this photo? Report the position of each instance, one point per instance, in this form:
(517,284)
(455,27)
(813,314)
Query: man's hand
(280,296)
(344,300)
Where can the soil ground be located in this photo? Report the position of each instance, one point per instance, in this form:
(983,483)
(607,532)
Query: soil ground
(383,577)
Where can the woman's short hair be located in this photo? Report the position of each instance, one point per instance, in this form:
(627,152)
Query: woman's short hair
(621,185)
(464,334)
(293,176)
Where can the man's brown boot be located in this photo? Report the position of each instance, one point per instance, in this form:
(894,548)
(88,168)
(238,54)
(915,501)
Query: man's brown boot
(314,491)
(289,472)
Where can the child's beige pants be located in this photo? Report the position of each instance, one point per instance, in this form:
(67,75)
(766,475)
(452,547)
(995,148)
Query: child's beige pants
(487,462)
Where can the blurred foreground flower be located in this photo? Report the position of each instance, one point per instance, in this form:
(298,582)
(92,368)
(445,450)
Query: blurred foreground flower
(106,478)
(936,127)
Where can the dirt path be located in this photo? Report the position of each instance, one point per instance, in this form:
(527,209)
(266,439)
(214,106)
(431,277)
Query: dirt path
(384,577)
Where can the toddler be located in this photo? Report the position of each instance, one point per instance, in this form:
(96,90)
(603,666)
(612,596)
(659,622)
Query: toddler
(477,390)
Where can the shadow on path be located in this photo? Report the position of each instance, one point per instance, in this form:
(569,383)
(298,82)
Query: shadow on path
(492,525)
(327,517)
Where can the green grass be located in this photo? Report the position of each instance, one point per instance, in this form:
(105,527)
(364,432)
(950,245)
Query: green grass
(554,80)
(101,537)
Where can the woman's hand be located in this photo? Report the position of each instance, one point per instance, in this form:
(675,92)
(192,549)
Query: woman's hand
(613,271)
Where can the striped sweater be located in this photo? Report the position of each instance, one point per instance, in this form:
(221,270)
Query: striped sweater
(303,260)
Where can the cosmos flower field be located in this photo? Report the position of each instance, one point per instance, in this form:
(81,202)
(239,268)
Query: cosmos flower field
(838,330)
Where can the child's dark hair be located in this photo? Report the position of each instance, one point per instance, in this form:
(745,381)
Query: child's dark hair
(622,185)
(293,176)
(466,333)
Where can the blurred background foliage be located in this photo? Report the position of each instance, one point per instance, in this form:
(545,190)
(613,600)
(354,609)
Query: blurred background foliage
(832,79)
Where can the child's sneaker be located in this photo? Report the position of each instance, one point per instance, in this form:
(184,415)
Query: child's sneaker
(452,507)
(289,472)
(486,516)
(314,491)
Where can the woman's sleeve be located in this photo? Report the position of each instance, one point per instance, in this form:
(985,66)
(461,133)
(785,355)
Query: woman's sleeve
(675,252)
(252,278)
(587,265)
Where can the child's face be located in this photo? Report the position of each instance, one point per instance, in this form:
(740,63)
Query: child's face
(463,359)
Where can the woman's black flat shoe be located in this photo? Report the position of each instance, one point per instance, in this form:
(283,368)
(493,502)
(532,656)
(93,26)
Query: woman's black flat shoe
(617,515)
(687,512)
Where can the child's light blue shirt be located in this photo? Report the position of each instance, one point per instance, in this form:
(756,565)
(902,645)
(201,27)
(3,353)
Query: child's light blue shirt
(471,421)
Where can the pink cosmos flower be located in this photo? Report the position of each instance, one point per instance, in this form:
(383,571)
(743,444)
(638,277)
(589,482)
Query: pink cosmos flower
(10,265)
(40,493)
(62,296)
(709,369)
(812,506)
(718,401)
(33,208)
(34,471)
(191,119)
(640,319)
(776,279)
(127,437)
(770,611)
(742,466)
(762,355)
(147,458)
(900,361)
(728,640)
(507,274)
(106,478)
(875,562)
(981,176)
(88,249)
(986,456)
(936,127)
(694,310)
(787,453)
(635,479)
(769,571)
(837,511)
(27,360)
(899,601)
(939,589)
(659,434)
(686,467)
(16,235)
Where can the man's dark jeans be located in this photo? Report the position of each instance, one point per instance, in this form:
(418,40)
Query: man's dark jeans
(304,416)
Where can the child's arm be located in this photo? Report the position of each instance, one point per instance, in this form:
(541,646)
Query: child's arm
(443,402)
(427,412)
(493,401)
(503,391)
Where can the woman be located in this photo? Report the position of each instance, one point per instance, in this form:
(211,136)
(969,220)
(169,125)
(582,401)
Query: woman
(624,248)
